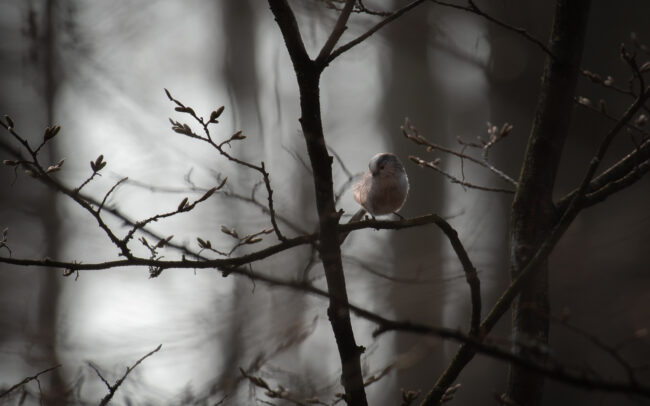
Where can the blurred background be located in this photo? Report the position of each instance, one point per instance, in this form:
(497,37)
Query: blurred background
(98,69)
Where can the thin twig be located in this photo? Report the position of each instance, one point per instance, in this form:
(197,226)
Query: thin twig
(43,174)
(392,17)
(473,8)
(269,193)
(221,191)
(27,380)
(433,165)
(114,387)
(55,184)
(184,129)
(338,30)
(101,205)
(184,206)
(610,117)
(411,132)
(280,392)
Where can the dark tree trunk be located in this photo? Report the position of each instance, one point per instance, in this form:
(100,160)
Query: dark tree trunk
(532,212)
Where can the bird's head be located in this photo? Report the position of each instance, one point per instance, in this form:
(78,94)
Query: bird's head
(384,163)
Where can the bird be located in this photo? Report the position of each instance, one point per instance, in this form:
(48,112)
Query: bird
(383,188)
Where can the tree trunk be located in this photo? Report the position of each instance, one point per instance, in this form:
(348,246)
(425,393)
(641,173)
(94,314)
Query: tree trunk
(533,210)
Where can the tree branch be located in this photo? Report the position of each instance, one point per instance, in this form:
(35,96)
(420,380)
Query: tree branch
(338,30)
(27,380)
(392,17)
(184,129)
(434,165)
(473,8)
(114,387)
(411,133)
(622,174)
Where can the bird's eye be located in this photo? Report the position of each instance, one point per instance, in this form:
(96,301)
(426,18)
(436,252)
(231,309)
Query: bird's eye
(381,167)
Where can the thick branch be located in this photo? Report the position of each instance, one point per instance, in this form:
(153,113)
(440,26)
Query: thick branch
(290,33)
(308,77)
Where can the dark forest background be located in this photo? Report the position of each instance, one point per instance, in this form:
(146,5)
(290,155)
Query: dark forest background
(98,69)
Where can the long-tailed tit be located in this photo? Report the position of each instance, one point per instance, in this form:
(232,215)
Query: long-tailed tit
(383,188)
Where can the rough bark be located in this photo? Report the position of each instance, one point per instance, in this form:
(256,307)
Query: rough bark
(533,212)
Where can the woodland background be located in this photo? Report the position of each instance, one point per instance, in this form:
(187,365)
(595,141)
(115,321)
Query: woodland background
(98,69)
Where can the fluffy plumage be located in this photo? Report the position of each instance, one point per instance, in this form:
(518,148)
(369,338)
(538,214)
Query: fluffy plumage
(384,187)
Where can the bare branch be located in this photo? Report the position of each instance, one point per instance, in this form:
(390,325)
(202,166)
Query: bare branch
(222,191)
(55,184)
(359,7)
(101,205)
(622,174)
(114,387)
(473,8)
(27,380)
(434,165)
(184,129)
(466,352)
(602,111)
(577,201)
(411,132)
(37,170)
(280,392)
(184,206)
(289,27)
(269,192)
(225,264)
(392,17)
(338,30)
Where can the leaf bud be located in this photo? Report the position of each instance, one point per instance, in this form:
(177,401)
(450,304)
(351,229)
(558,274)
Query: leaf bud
(215,114)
